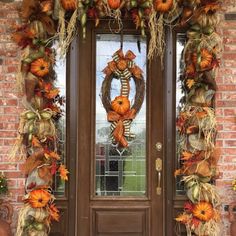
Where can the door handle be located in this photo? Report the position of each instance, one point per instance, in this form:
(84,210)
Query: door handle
(159,169)
(159,173)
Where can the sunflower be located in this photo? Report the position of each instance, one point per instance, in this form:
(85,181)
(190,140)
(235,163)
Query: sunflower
(190,83)
(203,59)
(39,67)
(39,198)
(203,211)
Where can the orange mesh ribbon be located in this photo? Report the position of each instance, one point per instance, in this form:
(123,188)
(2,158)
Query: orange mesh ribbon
(118,132)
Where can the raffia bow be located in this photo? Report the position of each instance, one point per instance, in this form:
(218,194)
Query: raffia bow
(123,66)
(118,132)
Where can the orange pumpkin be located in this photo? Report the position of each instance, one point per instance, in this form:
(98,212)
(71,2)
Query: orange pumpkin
(39,198)
(163,5)
(114,4)
(120,104)
(69,5)
(203,211)
(39,67)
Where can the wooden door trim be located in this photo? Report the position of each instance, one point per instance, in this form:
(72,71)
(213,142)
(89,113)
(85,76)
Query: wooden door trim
(167,201)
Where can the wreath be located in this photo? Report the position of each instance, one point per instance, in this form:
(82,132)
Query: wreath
(119,111)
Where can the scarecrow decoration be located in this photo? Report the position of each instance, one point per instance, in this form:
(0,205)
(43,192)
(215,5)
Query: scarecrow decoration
(47,21)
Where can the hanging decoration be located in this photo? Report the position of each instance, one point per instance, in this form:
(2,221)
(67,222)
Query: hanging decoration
(119,111)
(196,122)
(47,21)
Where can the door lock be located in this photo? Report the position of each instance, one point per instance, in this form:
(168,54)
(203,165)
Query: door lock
(159,146)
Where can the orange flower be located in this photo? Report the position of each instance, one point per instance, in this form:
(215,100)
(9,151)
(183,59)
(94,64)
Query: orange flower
(63,172)
(203,211)
(39,67)
(183,218)
(204,59)
(39,198)
(52,93)
(190,83)
(54,212)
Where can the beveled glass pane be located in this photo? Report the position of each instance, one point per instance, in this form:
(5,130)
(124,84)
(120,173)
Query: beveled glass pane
(60,68)
(119,171)
(180,42)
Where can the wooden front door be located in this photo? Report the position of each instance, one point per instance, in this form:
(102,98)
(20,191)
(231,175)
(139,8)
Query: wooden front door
(116,193)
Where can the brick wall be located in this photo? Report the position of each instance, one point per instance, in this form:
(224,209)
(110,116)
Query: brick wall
(226,112)
(10,107)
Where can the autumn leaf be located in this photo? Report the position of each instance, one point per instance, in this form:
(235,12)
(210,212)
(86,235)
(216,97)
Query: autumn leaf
(63,172)
(50,154)
(213,7)
(52,93)
(54,212)
(36,142)
(177,172)
(186,155)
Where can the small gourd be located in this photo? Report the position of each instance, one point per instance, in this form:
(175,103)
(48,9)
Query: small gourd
(114,4)
(39,67)
(120,105)
(163,6)
(69,5)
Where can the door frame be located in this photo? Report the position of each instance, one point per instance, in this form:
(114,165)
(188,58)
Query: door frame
(168,134)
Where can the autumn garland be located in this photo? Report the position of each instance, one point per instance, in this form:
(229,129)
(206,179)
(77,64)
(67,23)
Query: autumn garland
(196,123)
(45,21)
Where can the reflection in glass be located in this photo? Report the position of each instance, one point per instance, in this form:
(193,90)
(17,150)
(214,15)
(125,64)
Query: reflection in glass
(180,42)
(60,69)
(119,172)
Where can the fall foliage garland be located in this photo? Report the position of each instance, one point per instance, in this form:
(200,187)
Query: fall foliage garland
(44,21)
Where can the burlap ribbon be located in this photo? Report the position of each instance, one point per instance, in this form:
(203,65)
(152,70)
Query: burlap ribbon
(118,132)
(37,121)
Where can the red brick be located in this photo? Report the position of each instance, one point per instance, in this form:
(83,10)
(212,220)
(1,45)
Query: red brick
(8,102)
(227,87)
(226,135)
(226,120)
(229,151)
(226,103)
(229,98)
(230,112)
(8,134)
(8,167)
(230,143)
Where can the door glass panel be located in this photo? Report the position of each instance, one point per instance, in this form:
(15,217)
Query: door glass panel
(60,83)
(180,42)
(119,171)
